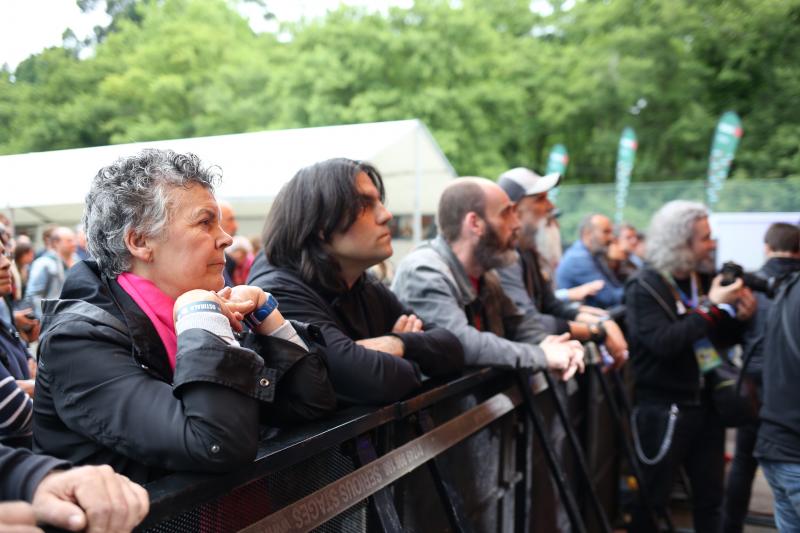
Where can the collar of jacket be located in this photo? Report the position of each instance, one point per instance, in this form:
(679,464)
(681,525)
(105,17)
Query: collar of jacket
(148,350)
(85,283)
(467,293)
(779,266)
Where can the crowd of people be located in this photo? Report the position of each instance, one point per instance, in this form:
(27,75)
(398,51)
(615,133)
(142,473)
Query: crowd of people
(164,340)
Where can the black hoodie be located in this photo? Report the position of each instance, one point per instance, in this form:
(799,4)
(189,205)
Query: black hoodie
(367,310)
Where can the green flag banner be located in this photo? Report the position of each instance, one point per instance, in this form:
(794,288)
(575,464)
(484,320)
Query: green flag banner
(625,158)
(723,148)
(557,162)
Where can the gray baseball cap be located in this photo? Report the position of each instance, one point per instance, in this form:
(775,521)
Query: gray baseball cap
(521,181)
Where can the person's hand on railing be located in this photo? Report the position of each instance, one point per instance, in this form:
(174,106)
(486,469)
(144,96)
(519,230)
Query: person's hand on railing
(88,498)
(564,356)
(616,343)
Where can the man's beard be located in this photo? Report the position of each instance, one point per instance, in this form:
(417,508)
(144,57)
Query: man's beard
(491,253)
(529,233)
(706,266)
(597,247)
(548,242)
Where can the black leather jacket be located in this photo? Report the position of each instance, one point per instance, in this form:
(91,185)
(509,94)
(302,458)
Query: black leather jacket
(105,392)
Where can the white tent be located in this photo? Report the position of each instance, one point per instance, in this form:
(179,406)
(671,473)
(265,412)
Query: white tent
(51,186)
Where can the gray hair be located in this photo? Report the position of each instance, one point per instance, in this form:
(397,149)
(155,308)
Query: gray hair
(669,237)
(133,195)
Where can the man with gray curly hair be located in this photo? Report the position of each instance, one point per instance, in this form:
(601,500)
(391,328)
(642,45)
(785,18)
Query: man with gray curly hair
(681,320)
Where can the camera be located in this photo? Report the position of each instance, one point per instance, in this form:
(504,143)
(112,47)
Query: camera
(731,271)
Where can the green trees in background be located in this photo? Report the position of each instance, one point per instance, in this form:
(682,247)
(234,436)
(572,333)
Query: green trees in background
(497,83)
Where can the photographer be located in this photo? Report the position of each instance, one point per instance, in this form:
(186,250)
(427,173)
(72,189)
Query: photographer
(778,444)
(782,249)
(679,320)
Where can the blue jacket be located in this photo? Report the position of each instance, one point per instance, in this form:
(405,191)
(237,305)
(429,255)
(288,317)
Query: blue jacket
(579,266)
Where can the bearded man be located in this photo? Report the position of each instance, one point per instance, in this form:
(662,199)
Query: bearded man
(586,261)
(525,282)
(451,279)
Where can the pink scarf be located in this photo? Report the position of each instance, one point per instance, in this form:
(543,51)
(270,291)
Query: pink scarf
(157,306)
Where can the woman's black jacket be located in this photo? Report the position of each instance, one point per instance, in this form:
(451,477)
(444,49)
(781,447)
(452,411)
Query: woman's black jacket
(105,392)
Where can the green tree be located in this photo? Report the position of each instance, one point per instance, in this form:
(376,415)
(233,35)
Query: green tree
(497,84)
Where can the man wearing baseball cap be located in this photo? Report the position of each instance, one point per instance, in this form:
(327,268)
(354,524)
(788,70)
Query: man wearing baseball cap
(524,282)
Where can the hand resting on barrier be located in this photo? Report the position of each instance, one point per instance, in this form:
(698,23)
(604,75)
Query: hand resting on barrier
(89,498)
(565,357)
(616,343)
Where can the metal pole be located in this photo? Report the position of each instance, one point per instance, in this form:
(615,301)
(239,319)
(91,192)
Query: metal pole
(561,411)
(382,502)
(451,500)
(564,492)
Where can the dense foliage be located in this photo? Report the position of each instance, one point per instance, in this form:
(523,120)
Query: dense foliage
(497,83)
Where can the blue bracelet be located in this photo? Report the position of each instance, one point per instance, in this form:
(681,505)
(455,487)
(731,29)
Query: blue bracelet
(254,318)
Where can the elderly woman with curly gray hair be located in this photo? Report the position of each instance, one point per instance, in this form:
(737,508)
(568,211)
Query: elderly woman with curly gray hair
(144,361)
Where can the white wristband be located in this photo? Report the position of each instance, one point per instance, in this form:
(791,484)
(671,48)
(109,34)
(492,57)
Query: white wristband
(212,322)
(287,332)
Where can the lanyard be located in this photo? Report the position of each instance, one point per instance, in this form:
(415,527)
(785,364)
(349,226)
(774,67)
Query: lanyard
(682,301)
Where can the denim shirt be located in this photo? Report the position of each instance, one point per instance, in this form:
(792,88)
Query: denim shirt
(579,266)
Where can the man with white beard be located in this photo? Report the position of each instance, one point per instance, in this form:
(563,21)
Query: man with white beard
(450,281)
(524,282)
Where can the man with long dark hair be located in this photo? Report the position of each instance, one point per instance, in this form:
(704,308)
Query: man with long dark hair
(327,226)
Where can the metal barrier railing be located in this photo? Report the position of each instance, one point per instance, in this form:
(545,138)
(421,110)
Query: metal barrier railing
(457,456)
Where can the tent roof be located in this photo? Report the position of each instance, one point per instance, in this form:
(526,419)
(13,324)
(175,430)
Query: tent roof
(53,185)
